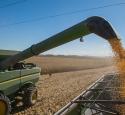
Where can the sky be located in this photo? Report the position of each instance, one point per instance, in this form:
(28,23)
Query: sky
(19,36)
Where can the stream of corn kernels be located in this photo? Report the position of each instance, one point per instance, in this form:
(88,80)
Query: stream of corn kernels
(119,56)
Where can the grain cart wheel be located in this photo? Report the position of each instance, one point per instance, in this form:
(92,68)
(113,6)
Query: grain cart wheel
(5,106)
(30,96)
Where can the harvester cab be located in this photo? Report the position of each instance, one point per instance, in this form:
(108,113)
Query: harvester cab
(19,81)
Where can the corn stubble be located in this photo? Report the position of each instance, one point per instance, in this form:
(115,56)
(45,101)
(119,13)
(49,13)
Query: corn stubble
(119,56)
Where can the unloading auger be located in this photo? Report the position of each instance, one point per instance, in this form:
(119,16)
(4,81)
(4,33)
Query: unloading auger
(95,24)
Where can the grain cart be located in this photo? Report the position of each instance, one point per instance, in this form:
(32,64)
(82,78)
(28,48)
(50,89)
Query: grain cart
(100,98)
(18,79)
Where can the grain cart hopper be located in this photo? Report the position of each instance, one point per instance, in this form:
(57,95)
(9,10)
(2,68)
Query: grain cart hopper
(100,98)
(18,79)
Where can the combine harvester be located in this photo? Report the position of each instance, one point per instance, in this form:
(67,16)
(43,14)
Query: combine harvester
(19,79)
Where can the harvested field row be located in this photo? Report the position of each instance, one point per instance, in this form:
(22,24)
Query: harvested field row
(57,90)
(56,64)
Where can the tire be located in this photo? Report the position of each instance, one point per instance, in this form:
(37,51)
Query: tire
(30,96)
(5,105)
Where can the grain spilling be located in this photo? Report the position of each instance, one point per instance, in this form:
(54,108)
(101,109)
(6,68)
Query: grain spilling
(119,56)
